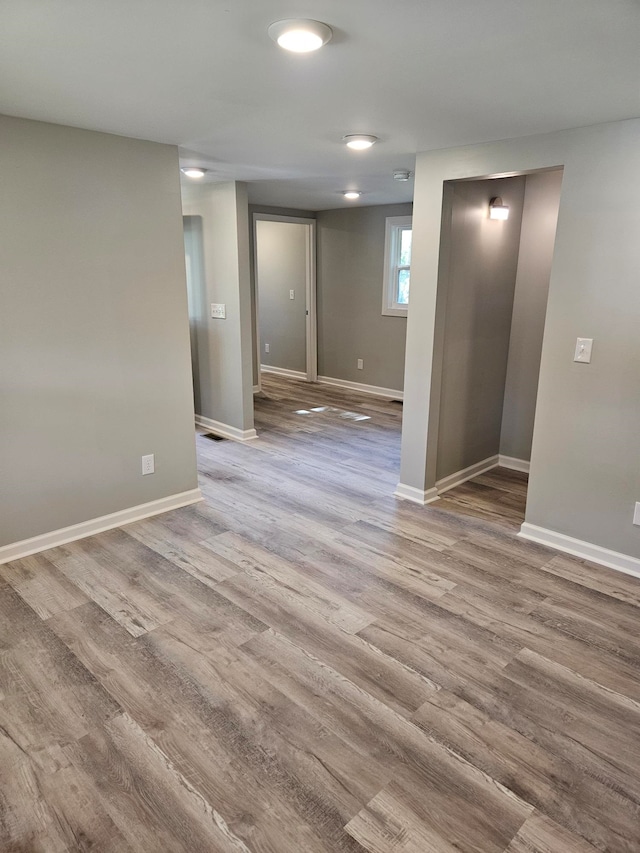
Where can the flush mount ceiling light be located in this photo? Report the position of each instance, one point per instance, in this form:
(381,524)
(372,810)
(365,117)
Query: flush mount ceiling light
(193,171)
(299,34)
(359,141)
(498,210)
(351,194)
(402,175)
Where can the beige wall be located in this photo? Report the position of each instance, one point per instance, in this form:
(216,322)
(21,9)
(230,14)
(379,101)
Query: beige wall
(479,281)
(584,478)
(537,239)
(350,321)
(94,346)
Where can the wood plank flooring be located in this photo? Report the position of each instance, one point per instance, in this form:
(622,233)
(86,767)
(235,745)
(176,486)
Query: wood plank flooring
(303,664)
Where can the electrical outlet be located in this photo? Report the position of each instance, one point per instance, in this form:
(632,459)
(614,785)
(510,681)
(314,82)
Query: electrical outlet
(148,464)
(292,294)
(636,514)
(267,347)
(218,311)
(360,364)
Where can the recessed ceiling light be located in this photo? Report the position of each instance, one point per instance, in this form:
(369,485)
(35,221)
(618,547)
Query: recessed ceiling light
(299,34)
(193,172)
(359,141)
(351,194)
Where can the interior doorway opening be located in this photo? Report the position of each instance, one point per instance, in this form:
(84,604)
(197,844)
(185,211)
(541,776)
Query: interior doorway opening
(493,287)
(285,297)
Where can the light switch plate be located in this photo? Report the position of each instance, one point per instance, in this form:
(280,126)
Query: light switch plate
(218,311)
(292,294)
(583,350)
(636,514)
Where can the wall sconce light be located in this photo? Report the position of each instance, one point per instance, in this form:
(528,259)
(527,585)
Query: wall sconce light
(498,210)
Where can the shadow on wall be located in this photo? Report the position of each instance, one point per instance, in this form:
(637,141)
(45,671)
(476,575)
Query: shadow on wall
(197,298)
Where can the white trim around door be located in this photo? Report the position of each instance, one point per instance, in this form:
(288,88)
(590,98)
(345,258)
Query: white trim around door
(310,289)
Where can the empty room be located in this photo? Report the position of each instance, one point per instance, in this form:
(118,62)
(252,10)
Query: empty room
(319,406)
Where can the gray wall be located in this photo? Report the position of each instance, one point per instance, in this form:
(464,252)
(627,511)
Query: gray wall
(281,266)
(479,283)
(537,239)
(584,477)
(350,321)
(222,369)
(94,345)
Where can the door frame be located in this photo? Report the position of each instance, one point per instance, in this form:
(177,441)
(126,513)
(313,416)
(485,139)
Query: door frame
(311,321)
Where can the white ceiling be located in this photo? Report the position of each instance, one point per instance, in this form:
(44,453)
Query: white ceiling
(419,74)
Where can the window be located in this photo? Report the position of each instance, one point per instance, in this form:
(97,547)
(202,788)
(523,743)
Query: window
(397,266)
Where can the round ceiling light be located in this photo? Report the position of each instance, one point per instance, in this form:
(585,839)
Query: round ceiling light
(193,171)
(299,34)
(359,141)
(351,194)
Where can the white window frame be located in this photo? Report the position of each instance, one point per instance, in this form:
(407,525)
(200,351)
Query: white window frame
(394,225)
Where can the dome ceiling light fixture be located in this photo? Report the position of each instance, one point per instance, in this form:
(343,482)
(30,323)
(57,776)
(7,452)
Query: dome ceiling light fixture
(351,194)
(300,35)
(402,175)
(193,171)
(359,141)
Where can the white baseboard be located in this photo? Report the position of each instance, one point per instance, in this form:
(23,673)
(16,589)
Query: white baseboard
(416,496)
(225,430)
(579,548)
(459,477)
(283,371)
(514,464)
(17,550)
(389,393)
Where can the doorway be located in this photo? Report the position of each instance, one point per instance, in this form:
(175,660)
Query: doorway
(285,298)
(492,297)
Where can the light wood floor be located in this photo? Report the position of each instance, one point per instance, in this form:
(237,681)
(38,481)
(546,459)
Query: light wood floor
(302,663)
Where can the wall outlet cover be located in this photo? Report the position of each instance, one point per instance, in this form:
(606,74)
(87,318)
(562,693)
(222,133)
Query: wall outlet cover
(218,311)
(148,464)
(636,514)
